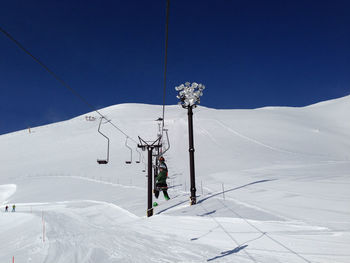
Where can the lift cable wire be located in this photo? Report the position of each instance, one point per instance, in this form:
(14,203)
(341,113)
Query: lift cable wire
(74,92)
(228,234)
(165,60)
(265,233)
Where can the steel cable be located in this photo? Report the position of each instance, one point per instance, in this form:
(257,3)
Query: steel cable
(73,91)
(265,233)
(228,234)
(165,61)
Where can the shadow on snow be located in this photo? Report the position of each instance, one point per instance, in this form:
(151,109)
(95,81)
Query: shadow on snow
(233,189)
(211,196)
(229,252)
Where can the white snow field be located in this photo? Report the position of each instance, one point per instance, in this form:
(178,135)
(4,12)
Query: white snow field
(272,184)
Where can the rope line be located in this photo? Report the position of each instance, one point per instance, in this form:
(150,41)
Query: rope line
(74,92)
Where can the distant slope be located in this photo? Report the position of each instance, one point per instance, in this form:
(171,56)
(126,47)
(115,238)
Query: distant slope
(284,172)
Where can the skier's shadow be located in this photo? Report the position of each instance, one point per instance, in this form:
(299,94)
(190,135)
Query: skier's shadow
(210,231)
(208,213)
(229,252)
(170,207)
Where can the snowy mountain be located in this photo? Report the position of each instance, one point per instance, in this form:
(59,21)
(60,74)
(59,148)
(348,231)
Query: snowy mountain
(272,186)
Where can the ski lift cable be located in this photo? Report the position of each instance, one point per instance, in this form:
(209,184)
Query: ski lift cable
(228,233)
(165,59)
(73,91)
(265,233)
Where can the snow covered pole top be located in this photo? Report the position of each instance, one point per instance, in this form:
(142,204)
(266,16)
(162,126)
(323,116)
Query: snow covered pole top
(189,94)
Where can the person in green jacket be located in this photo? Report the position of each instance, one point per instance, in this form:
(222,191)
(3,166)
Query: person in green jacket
(161,183)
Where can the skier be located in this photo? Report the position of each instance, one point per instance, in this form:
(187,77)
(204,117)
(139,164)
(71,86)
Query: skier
(13,208)
(163,165)
(6,208)
(161,179)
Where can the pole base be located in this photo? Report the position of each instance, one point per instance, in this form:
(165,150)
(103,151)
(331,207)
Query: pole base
(150,212)
(193,200)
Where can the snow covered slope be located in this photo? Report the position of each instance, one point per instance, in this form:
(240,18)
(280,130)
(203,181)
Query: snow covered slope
(272,186)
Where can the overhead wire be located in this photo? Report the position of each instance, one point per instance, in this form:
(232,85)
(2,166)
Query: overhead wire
(73,91)
(256,228)
(228,233)
(265,233)
(165,61)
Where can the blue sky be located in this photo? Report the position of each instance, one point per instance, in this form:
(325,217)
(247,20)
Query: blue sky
(248,53)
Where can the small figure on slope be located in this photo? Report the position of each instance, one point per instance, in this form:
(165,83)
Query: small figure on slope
(161,179)
(6,208)
(13,208)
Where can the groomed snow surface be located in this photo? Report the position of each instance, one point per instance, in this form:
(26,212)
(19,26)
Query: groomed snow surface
(272,186)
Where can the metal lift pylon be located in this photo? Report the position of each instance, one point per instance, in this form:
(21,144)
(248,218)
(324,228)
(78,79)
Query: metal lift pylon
(149,146)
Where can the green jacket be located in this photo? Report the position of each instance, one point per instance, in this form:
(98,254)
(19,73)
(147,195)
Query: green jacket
(161,178)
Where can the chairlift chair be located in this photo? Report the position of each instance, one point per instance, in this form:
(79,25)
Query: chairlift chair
(126,144)
(143,161)
(139,160)
(168,142)
(103,161)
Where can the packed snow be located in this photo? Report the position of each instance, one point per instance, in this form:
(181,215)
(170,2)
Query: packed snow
(272,186)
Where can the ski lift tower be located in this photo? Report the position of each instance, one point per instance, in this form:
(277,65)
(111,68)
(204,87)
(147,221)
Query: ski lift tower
(189,96)
(149,146)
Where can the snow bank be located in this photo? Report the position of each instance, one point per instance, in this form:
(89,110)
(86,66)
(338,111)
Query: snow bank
(272,186)
(6,191)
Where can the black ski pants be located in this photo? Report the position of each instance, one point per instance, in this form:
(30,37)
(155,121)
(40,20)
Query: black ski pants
(165,191)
